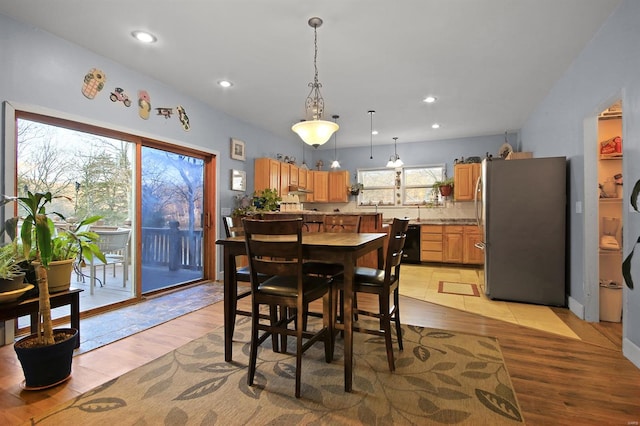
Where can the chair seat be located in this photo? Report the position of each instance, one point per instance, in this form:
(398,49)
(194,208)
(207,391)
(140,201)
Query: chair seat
(330,270)
(287,286)
(244,274)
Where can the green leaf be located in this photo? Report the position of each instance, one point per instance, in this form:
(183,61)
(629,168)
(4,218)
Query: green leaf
(626,267)
(634,195)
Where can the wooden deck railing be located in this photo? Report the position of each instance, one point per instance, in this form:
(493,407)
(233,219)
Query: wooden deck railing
(173,247)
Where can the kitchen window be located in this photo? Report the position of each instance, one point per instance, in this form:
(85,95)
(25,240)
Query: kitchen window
(406,186)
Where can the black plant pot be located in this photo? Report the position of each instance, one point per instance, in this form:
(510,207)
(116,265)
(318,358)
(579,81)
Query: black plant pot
(46,366)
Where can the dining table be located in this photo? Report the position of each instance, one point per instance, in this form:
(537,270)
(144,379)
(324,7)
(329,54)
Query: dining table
(341,248)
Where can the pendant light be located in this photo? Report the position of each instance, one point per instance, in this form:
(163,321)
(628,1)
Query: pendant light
(314,130)
(371,112)
(335,164)
(394,160)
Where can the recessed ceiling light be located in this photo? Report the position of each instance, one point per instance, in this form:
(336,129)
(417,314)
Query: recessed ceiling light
(429,99)
(225,83)
(375,132)
(435,126)
(144,36)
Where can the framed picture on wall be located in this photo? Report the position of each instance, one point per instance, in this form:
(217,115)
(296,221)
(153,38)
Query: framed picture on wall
(237,149)
(238,180)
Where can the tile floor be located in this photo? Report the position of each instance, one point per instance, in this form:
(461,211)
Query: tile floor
(422,282)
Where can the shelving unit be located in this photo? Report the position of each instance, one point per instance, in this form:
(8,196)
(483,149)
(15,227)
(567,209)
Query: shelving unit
(610,207)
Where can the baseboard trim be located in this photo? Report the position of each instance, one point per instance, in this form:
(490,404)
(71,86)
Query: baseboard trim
(631,351)
(576,307)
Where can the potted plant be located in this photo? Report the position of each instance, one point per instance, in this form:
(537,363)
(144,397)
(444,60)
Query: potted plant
(46,355)
(444,187)
(69,246)
(355,188)
(266,200)
(12,275)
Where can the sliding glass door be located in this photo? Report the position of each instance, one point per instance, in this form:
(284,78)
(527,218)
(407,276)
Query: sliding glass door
(172,219)
(162,194)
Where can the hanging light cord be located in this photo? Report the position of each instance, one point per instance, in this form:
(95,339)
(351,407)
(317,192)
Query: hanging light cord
(335,140)
(371,112)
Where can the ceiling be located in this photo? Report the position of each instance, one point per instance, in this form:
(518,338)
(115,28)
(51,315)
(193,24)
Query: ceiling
(489,62)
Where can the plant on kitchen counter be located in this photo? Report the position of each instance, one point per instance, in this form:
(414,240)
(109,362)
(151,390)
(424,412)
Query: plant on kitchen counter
(261,201)
(626,265)
(355,188)
(443,187)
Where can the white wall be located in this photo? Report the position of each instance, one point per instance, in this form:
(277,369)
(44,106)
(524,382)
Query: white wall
(607,69)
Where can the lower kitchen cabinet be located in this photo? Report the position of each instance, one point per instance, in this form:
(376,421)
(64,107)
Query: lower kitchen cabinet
(470,253)
(431,243)
(452,244)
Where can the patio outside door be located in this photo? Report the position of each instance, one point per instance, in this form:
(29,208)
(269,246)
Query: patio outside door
(172,219)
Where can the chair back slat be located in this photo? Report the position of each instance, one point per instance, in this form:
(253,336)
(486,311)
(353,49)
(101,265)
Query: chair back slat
(395,247)
(230,229)
(274,247)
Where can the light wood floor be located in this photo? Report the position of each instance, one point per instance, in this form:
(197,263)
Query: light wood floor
(558,380)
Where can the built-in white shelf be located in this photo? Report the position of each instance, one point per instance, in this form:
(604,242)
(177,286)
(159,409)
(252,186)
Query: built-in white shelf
(610,252)
(610,200)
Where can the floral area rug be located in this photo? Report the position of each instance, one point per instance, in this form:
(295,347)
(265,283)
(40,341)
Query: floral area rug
(441,377)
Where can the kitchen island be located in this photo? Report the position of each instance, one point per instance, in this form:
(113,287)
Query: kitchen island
(370,222)
(442,240)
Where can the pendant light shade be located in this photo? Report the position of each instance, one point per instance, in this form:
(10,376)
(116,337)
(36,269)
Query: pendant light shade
(335,164)
(314,130)
(394,160)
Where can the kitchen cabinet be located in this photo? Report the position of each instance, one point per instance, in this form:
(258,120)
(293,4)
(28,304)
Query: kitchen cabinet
(465,177)
(452,243)
(470,253)
(294,175)
(338,187)
(320,186)
(431,243)
(283,188)
(324,186)
(371,223)
(266,174)
(302,178)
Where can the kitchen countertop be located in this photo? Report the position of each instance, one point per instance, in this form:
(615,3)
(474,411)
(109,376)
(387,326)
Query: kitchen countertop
(441,221)
(320,213)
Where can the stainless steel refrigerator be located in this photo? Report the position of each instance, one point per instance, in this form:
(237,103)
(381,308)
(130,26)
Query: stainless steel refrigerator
(523,217)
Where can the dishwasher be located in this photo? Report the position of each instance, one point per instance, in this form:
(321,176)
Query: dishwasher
(411,253)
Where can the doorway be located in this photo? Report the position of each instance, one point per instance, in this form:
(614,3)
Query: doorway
(101,171)
(610,204)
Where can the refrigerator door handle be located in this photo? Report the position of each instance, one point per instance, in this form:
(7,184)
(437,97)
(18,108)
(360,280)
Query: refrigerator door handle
(476,201)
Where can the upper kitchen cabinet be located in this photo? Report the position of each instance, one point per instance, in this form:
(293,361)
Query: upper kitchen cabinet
(465,177)
(339,187)
(285,179)
(266,174)
(320,186)
(302,178)
(294,175)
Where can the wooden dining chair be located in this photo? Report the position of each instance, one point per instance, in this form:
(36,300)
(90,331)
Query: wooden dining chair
(242,272)
(287,287)
(384,284)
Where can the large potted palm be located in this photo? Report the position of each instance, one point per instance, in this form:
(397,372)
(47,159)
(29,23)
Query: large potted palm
(46,355)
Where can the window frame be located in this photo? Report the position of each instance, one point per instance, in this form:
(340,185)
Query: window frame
(399,187)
